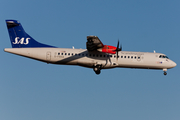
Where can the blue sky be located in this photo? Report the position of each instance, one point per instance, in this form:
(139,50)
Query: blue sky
(33,90)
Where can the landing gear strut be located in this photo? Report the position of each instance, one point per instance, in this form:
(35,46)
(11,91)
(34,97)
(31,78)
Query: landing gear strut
(97,69)
(165,73)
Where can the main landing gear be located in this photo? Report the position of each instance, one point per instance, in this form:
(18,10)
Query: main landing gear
(165,71)
(97,69)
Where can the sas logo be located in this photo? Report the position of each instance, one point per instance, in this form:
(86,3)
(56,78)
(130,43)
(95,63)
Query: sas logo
(21,41)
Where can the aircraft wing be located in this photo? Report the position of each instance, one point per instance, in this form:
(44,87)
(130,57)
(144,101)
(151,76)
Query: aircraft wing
(93,43)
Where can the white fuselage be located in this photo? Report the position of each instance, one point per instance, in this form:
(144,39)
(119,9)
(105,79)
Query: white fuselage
(83,57)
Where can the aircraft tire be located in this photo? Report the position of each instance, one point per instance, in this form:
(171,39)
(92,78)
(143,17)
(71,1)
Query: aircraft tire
(98,72)
(97,69)
(165,73)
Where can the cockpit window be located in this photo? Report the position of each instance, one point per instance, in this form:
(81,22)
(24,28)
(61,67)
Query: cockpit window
(163,56)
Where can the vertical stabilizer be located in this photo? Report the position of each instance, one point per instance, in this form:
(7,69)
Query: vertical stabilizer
(19,38)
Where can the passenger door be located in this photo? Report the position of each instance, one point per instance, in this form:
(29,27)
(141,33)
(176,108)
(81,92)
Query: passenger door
(48,55)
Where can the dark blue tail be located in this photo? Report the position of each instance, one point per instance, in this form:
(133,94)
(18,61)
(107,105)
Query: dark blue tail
(19,38)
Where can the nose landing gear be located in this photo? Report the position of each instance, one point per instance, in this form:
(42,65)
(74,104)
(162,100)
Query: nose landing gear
(165,71)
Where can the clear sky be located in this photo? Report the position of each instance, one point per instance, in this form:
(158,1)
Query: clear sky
(32,90)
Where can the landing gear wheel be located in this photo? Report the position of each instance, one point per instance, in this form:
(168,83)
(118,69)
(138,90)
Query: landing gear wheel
(98,72)
(165,73)
(97,69)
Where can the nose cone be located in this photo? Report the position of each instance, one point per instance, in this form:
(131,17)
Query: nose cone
(173,64)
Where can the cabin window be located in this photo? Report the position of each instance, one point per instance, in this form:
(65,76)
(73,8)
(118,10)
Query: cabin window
(79,54)
(87,55)
(114,56)
(121,56)
(104,55)
(76,54)
(135,57)
(93,55)
(124,56)
(72,54)
(68,53)
(61,53)
(65,53)
(90,55)
(96,55)
(58,53)
(131,57)
(128,56)
(139,57)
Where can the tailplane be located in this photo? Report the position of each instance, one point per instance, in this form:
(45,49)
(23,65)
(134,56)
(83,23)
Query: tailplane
(19,38)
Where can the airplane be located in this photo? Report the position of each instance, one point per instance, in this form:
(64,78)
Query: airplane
(97,56)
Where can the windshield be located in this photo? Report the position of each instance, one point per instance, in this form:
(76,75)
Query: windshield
(163,56)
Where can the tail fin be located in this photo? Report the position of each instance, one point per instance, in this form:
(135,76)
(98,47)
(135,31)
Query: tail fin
(19,38)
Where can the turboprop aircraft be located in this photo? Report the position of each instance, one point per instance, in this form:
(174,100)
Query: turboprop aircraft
(97,55)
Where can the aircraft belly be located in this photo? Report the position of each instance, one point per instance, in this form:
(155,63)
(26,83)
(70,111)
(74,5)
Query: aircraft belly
(143,64)
(90,62)
(85,62)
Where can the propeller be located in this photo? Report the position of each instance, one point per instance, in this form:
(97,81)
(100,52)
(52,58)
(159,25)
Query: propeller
(118,49)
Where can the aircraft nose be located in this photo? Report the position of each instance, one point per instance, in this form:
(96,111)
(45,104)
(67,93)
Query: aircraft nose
(173,64)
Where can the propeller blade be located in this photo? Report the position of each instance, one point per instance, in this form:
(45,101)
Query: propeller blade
(118,49)
(117,55)
(121,47)
(117,45)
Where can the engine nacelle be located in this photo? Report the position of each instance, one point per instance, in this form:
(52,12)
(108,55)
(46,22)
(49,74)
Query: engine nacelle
(109,49)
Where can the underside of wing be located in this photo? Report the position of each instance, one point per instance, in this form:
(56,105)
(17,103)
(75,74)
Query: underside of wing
(93,43)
